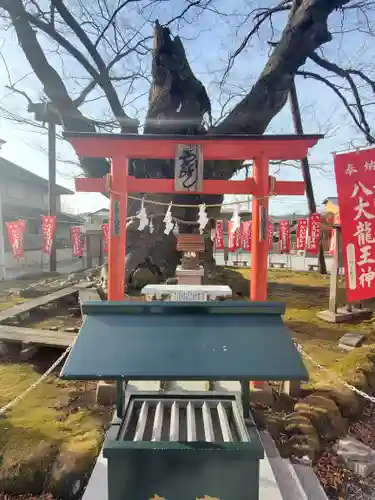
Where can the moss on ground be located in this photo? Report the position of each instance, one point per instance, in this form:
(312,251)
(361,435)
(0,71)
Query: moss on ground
(44,420)
(10,301)
(305,294)
(48,423)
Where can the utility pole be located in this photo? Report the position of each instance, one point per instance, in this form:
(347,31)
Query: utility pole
(52,187)
(45,113)
(298,128)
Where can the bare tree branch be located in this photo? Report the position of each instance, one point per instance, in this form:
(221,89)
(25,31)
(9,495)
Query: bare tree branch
(361,122)
(306,31)
(112,19)
(103,76)
(21,92)
(260,16)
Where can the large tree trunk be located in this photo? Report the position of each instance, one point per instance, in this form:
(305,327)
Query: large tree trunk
(178,102)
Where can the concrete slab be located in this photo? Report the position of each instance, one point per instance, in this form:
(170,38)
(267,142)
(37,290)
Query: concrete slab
(143,385)
(357,456)
(343,315)
(351,340)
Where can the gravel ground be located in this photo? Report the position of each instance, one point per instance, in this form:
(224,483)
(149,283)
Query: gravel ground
(340,483)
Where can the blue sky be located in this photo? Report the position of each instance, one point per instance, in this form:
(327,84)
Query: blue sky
(209,40)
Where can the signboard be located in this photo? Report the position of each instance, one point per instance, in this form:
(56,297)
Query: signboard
(301,234)
(116,221)
(355,179)
(188,174)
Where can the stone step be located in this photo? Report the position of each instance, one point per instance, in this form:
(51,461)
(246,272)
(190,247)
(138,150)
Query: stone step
(287,480)
(192,385)
(143,385)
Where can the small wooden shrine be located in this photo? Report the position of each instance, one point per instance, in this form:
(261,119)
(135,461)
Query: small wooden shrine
(190,272)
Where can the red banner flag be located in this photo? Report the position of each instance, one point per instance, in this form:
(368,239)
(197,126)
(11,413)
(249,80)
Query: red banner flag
(22,225)
(314,227)
(105,237)
(76,241)
(238,237)
(270,235)
(16,231)
(301,234)
(234,238)
(355,179)
(48,231)
(219,235)
(246,235)
(284,239)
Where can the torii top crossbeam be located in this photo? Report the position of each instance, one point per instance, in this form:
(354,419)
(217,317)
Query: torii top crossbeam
(122,147)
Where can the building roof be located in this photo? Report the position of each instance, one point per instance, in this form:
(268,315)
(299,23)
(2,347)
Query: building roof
(13,171)
(106,210)
(11,212)
(332,199)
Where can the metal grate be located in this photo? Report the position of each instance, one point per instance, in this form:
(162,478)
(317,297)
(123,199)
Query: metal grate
(186,420)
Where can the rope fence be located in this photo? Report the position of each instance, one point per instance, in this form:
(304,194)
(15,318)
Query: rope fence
(334,375)
(14,401)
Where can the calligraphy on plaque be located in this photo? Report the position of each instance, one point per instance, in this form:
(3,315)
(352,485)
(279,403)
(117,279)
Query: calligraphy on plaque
(188,168)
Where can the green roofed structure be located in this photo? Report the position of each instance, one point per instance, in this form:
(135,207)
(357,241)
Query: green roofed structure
(176,446)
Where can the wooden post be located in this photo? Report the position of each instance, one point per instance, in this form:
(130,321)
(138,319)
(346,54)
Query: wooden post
(305,167)
(259,230)
(52,187)
(332,307)
(117,228)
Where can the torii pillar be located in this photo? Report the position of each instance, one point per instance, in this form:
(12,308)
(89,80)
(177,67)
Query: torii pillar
(259,257)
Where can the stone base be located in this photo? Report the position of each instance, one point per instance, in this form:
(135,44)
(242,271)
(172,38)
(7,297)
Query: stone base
(342,315)
(357,456)
(189,276)
(350,341)
(28,351)
(291,388)
(261,395)
(106,393)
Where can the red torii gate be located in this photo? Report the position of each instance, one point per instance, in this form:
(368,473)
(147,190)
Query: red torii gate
(122,147)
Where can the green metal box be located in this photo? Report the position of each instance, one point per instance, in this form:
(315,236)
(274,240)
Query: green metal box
(183,447)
